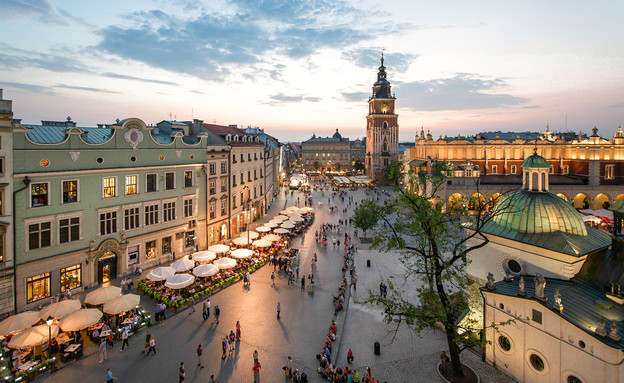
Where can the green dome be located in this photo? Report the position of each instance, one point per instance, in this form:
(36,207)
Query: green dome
(530,212)
(535,161)
(618,207)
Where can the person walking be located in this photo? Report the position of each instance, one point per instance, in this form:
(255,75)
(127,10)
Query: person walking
(192,303)
(102,350)
(256,371)
(303,282)
(238,330)
(147,339)
(217,312)
(255,356)
(199,356)
(443,361)
(297,270)
(205,310)
(152,345)
(279,308)
(272,279)
(182,372)
(109,376)
(124,339)
(212,379)
(223,347)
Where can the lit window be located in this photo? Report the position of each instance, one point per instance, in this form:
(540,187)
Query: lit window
(37,287)
(39,194)
(70,191)
(609,172)
(131,185)
(166,245)
(189,238)
(150,249)
(109,186)
(71,277)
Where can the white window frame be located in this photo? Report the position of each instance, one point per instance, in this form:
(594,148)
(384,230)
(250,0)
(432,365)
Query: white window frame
(223,167)
(494,169)
(192,178)
(116,184)
(147,183)
(193,206)
(609,172)
(514,169)
(223,207)
(77,190)
(30,203)
(165,180)
(212,168)
(123,212)
(126,184)
(158,213)
(104,211)
(223,185)
(68,216)
(565,169)
(35,221)
(175,209)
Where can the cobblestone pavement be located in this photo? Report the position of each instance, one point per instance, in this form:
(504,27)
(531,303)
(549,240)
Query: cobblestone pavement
(306,316)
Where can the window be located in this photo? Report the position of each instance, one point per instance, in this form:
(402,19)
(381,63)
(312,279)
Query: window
(37,287)
(189,238)
(514,266)
(1,165)
(2,248)
(255,193)
(242,178)
(71,277)
(255,175)
(151,215)
(566,169)
(188,208)
(213,207)
(609,172)
(39,194)
(249,175)
(234,201)
(69,229)
(133,255)
(255,156)
(109,186)
(513,169)
(537,316)
(494,169)
(213,168)
(504,343)
(223,184)
(131,218)
(151,183)
(108,222)
(234,179)
(223,206)
(574,379)
(131,185)
(169,211)
(213,188)
(39,235)
(241,158)
(537,362)
(260,189)
(150,249)
(223,167)
(468,172)
(70,191)
(261,173)
(169,181)
(249,156)
(166,245)
(188,178)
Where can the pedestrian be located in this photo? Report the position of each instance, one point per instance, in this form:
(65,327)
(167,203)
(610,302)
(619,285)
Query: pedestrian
(205,309)
(288,367)
(297,270)
(227,343)
(349,356)
(238,330)
(255,356)
(109,375)
(248,278)
(102,350)
(212,379)
(124,338)
(147,339)
(256,371)
(223,347)
(272,279)
(279,308)
(152,345)
(232,340)
(443,361)
(192,302)
(199,356)
(110,339)
(385,290)
(303,283)
(217,312)
(181,372)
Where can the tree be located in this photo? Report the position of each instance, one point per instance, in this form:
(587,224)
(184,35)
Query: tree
(365,217)
(359,166)
(316,165)
(337,167)
(434,246)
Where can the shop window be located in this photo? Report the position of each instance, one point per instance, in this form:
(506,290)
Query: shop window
(131,185)
(151,183)
(189,238)
(150,249)
(166,245)
(169,181)
(39,194)
(109,186)
(133,255)
(39,235)
(188,178)
(37,287)
(70,191)
(71,277)
(69,229)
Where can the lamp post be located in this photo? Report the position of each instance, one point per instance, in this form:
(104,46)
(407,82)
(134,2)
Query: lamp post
(247,210)
(49,322)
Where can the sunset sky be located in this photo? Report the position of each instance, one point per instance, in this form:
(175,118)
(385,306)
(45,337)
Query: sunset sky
(300,67)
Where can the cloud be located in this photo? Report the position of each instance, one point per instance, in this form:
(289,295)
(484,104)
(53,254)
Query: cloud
(209,42)
(281,99)
(98,90)
(464,91)
(41,10)
(126,77)
(355,96)
(61,61)
(616,106)
(28,87)
(366,58)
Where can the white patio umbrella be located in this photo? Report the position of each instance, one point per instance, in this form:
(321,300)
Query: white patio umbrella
(272,225)
(275,220)
(288,225)
(225,263)
(218,249)
(281,230)
(285,212)
(252,234)
(102,295)
(272,237)
(242,253)
(122,304)
(60,309)
(207,270)
(182,265)
(180,281)
(262,243)
(241,241)
(292,208)
(18,322)
(281,218)
(204,256)
(263,229)
(160,273)
(80,319)
(308,209)
(302,211)
(34,336)
(296,219)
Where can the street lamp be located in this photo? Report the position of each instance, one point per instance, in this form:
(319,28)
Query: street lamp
(49,322)
(247,210)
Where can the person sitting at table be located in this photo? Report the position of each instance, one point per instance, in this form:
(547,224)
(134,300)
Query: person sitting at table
(96,334)
(54,346)
(105,327)
(227,274)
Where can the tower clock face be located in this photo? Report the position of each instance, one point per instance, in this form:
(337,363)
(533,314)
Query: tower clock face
(384,106)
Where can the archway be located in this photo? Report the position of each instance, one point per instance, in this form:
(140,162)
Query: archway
(602,201)
(107,267)
(107,260)
(619,198)
(562,196)
(494,199)
(476,202)
(456,202)
(580,201)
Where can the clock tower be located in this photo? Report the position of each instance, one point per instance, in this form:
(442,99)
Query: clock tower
(382,128)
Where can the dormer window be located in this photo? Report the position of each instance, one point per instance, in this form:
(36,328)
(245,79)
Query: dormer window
(228,138)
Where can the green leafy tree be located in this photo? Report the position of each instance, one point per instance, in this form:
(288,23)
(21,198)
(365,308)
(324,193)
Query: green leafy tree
(358,166)
(433,246)
(337,167)
(316,165)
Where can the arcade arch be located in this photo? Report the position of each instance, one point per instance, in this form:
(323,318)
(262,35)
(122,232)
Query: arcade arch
(476,202)
(619,198)
(580,201)
(456,202)
(562,196)
(494,199)
(602,201)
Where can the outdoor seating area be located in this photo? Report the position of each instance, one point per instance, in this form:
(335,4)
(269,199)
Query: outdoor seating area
(34,342)
(188,280)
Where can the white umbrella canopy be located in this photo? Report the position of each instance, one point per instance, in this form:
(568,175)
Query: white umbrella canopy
(288,225)
(262,243)
(80,319)
(180,281)
(225,263)
(285,212)
(103,295)
(60,309)
(182,265)
(281,218)
(292,208)
(289,222)
(207,270)
(219,249)
(160,273)
(281,230)
(263,229)
(296,219)
(302,211)
(308,209)
(122,304)
(241,241)
(252,234)
(242,253)
(272,225)
(19,322)
(204,256)
(34,336)
(272,237)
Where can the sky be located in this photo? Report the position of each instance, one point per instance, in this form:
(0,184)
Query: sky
(295,68)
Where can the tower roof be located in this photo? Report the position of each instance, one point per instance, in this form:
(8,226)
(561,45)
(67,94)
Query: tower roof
(535,161)
(382,88)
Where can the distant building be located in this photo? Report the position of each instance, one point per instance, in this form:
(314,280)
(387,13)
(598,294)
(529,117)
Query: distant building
(7,256)
(326,153)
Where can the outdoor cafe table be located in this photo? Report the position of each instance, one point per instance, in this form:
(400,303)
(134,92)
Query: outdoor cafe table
(72,347)
(127,321)
(21,355)
(28,365)
(96,326)
(105,333)
(62,339)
